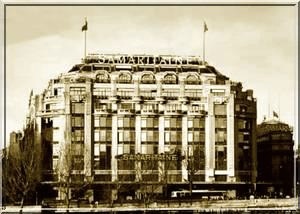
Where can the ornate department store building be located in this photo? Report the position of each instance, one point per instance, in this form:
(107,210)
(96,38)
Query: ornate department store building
(141,124)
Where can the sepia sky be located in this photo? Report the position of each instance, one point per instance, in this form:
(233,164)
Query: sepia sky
(255,45)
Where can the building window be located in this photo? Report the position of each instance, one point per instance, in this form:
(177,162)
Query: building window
(220,122)
(221,157)
(125,93)
(102,121)
(174,150)
(127,107)
(102,78)
(78,135)
(192,80)
(196,123)
(126,136)
(149,149)
(77,121)
(220,136)
(149,165)
(170,93)
(58,91)
(78,162)
(102,92)
(173,140)
(196,157)
(126,165)
(150,107)
(193,93)
(149,136)
(220,109)
(77,108)
(170,79)
(102,135)
(77,91)
(149,123)
(102,106)
(173,123)
(148,94)
(244,157)
(148,79)
(196,143)
(102,156)
(124,78)
(126,122)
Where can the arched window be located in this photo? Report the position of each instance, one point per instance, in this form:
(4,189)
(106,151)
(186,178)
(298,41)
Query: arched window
(124,78)
(170,79)
(148,79)
(192,80)
(102,78)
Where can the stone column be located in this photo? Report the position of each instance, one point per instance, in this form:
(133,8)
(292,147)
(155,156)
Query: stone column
(230,139)
(88,147)
(136,88)
(159,88)
(184,148)
(67,135)
(161,145)
(68,125)
(138,130)
(113,87)
(210,140)
(114,148)
(182,87)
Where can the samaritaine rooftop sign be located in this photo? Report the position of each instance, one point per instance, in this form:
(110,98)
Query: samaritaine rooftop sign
(144,59)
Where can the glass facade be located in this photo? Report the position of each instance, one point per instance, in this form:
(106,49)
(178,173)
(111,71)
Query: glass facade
(77,134)
(220,136)
(196,141)
(149,143)
(126,145)
(102,142)
(244,150)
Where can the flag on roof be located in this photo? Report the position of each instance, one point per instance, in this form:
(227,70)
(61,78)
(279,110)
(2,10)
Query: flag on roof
(205,27)
(275,114)
(85,26)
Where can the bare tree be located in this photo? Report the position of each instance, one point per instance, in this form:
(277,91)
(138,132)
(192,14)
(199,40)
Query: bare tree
(22,167)
(125,182)
(193,163)
(71,180)
(150,167)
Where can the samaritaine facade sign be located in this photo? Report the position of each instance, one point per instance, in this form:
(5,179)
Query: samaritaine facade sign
(148,157)
(145,59)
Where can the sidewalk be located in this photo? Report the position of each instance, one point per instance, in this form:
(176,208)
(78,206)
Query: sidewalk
(200,206)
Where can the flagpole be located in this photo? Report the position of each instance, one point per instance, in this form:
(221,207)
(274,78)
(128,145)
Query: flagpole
(204,30)
(204,47)
(85,40)
(84,44)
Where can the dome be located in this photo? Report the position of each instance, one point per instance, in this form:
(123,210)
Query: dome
(272,125)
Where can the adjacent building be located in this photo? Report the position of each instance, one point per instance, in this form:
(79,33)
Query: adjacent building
(275,157)
(140,124)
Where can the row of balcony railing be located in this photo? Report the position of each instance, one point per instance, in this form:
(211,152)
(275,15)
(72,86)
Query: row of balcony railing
(150,111)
